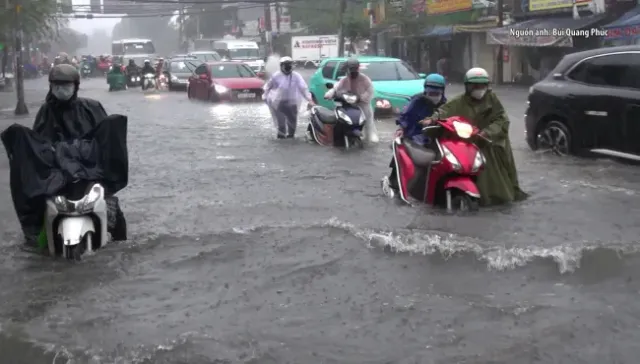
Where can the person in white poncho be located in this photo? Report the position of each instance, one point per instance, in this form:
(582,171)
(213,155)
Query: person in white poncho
(362,86)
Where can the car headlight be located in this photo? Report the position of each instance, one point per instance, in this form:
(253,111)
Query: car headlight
(451,158)
(478,162)
(342,115)
(220,89)
(137,78)
(383,104)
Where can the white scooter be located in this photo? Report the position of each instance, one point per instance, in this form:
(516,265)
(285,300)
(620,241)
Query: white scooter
(76,221)
(149,82)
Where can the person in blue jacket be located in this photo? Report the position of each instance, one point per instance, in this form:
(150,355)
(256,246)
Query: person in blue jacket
(420,107)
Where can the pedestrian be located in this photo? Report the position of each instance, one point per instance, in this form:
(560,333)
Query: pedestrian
(283,93)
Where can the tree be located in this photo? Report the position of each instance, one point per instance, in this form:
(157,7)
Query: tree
(320,18)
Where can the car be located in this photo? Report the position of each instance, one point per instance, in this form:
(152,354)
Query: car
(225,81)
(178,71)
(206,56)
(589,103)
(395,82)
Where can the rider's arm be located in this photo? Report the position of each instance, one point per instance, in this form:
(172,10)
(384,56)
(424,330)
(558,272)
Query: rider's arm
(269,85)
(406,116)
(338,86)
(367,95)
(498,128)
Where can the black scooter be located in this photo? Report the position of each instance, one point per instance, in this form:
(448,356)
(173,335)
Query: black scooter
(341,127)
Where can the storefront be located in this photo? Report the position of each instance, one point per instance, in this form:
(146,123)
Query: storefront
(533,47)
(625,30)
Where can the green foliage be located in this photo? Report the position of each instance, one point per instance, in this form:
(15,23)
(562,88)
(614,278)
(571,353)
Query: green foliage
(37,18)
(320,17)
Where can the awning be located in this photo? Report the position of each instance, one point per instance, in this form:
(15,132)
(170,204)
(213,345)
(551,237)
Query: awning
(627,26)
(438,31)
(475,28)
(543,32)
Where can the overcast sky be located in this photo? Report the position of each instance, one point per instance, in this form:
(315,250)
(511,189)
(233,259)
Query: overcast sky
(87,26)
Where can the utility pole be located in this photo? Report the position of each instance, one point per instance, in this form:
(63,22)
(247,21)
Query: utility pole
(180,27)
(500,60)
(198,25)
(343,8)
(21,106)
(277,5)
(267,26)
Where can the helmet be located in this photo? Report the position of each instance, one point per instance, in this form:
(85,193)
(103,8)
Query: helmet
(146,61)
(477,75)
(131,61)
(284,60)
(64,73)
(434,80)
(352,65)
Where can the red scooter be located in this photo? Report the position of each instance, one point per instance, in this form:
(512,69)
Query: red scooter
(442,173)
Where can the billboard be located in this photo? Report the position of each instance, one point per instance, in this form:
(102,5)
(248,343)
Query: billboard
(435,7)
(537,5)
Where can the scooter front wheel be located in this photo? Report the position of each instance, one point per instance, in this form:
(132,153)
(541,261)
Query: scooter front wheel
(462,202)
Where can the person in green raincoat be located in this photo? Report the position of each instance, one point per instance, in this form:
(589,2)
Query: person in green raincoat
(498,183)
(116,78)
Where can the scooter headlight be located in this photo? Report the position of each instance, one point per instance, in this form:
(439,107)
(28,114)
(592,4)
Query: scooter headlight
(478,162)
(342,115)
(350,99)
(88,202)
(451,158)
(62,204)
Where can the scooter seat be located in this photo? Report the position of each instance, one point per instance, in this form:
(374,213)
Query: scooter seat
(325,115)
(420,155)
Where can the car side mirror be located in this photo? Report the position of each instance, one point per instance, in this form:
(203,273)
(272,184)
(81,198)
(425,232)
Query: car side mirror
(422,75)
(329,85)
(261,75)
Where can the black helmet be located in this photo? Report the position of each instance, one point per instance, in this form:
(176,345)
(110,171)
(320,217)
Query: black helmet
(63,73)
(132,62)
(353,65)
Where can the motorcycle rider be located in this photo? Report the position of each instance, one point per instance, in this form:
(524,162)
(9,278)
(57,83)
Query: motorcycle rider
(158,71)
(362,86)
(283,93)
(132,68)
(420,107)
(147,68)
(67,116)
(498,183)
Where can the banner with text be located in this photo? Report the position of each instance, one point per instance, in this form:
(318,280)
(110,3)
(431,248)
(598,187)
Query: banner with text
(435,7)
(538,5)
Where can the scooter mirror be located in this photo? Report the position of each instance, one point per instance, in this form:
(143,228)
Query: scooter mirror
(329,85)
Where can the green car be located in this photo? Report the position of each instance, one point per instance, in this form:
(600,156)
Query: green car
(394,81)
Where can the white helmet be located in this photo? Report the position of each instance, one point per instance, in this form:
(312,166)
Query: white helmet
(286,60)
(477,75)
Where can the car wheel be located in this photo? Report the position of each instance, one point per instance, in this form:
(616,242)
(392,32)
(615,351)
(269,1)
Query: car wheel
(212,96)
(554,137)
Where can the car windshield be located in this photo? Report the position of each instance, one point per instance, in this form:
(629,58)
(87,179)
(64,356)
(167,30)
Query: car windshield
(386,71)
(181,67)
(207,57)
(245,53)
(231,71)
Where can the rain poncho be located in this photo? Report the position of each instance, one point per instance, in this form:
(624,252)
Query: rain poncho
(69,141)
(363,87)
(498,183)
(282,88)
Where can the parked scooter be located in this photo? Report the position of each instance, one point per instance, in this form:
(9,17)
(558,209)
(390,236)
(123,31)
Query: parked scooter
(76,221)
(444,172)
(149,82)
(339,127)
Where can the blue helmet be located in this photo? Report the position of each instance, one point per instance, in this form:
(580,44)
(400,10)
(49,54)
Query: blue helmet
(435,80)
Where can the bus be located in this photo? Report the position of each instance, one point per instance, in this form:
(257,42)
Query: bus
(131,47)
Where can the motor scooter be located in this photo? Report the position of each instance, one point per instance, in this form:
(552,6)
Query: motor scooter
(339,127)
(134,80)
(149,82)
(442,173)
(76,220)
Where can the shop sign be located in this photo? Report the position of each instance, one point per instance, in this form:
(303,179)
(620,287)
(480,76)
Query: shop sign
(539,5)
(435,7)
(530,40)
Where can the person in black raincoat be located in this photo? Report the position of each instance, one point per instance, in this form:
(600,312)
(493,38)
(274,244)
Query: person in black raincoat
(64,116)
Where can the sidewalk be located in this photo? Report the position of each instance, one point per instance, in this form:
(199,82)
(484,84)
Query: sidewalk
(34,93)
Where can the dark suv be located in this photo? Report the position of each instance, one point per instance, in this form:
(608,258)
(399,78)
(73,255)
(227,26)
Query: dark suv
(590,101)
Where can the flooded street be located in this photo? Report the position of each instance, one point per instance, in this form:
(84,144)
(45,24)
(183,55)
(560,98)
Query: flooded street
(248,249)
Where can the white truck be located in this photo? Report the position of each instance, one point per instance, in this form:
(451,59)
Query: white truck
(307,51)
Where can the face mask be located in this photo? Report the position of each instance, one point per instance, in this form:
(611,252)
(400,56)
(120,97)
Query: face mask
(434,99)
(478,94)
(286,68)
(63,92)
(353,74)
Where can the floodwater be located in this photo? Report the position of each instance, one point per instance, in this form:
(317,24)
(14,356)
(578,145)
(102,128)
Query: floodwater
(247,249)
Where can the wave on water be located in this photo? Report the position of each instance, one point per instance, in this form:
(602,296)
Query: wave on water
(498,257)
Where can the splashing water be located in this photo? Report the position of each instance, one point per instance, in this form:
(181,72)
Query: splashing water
(273,64)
